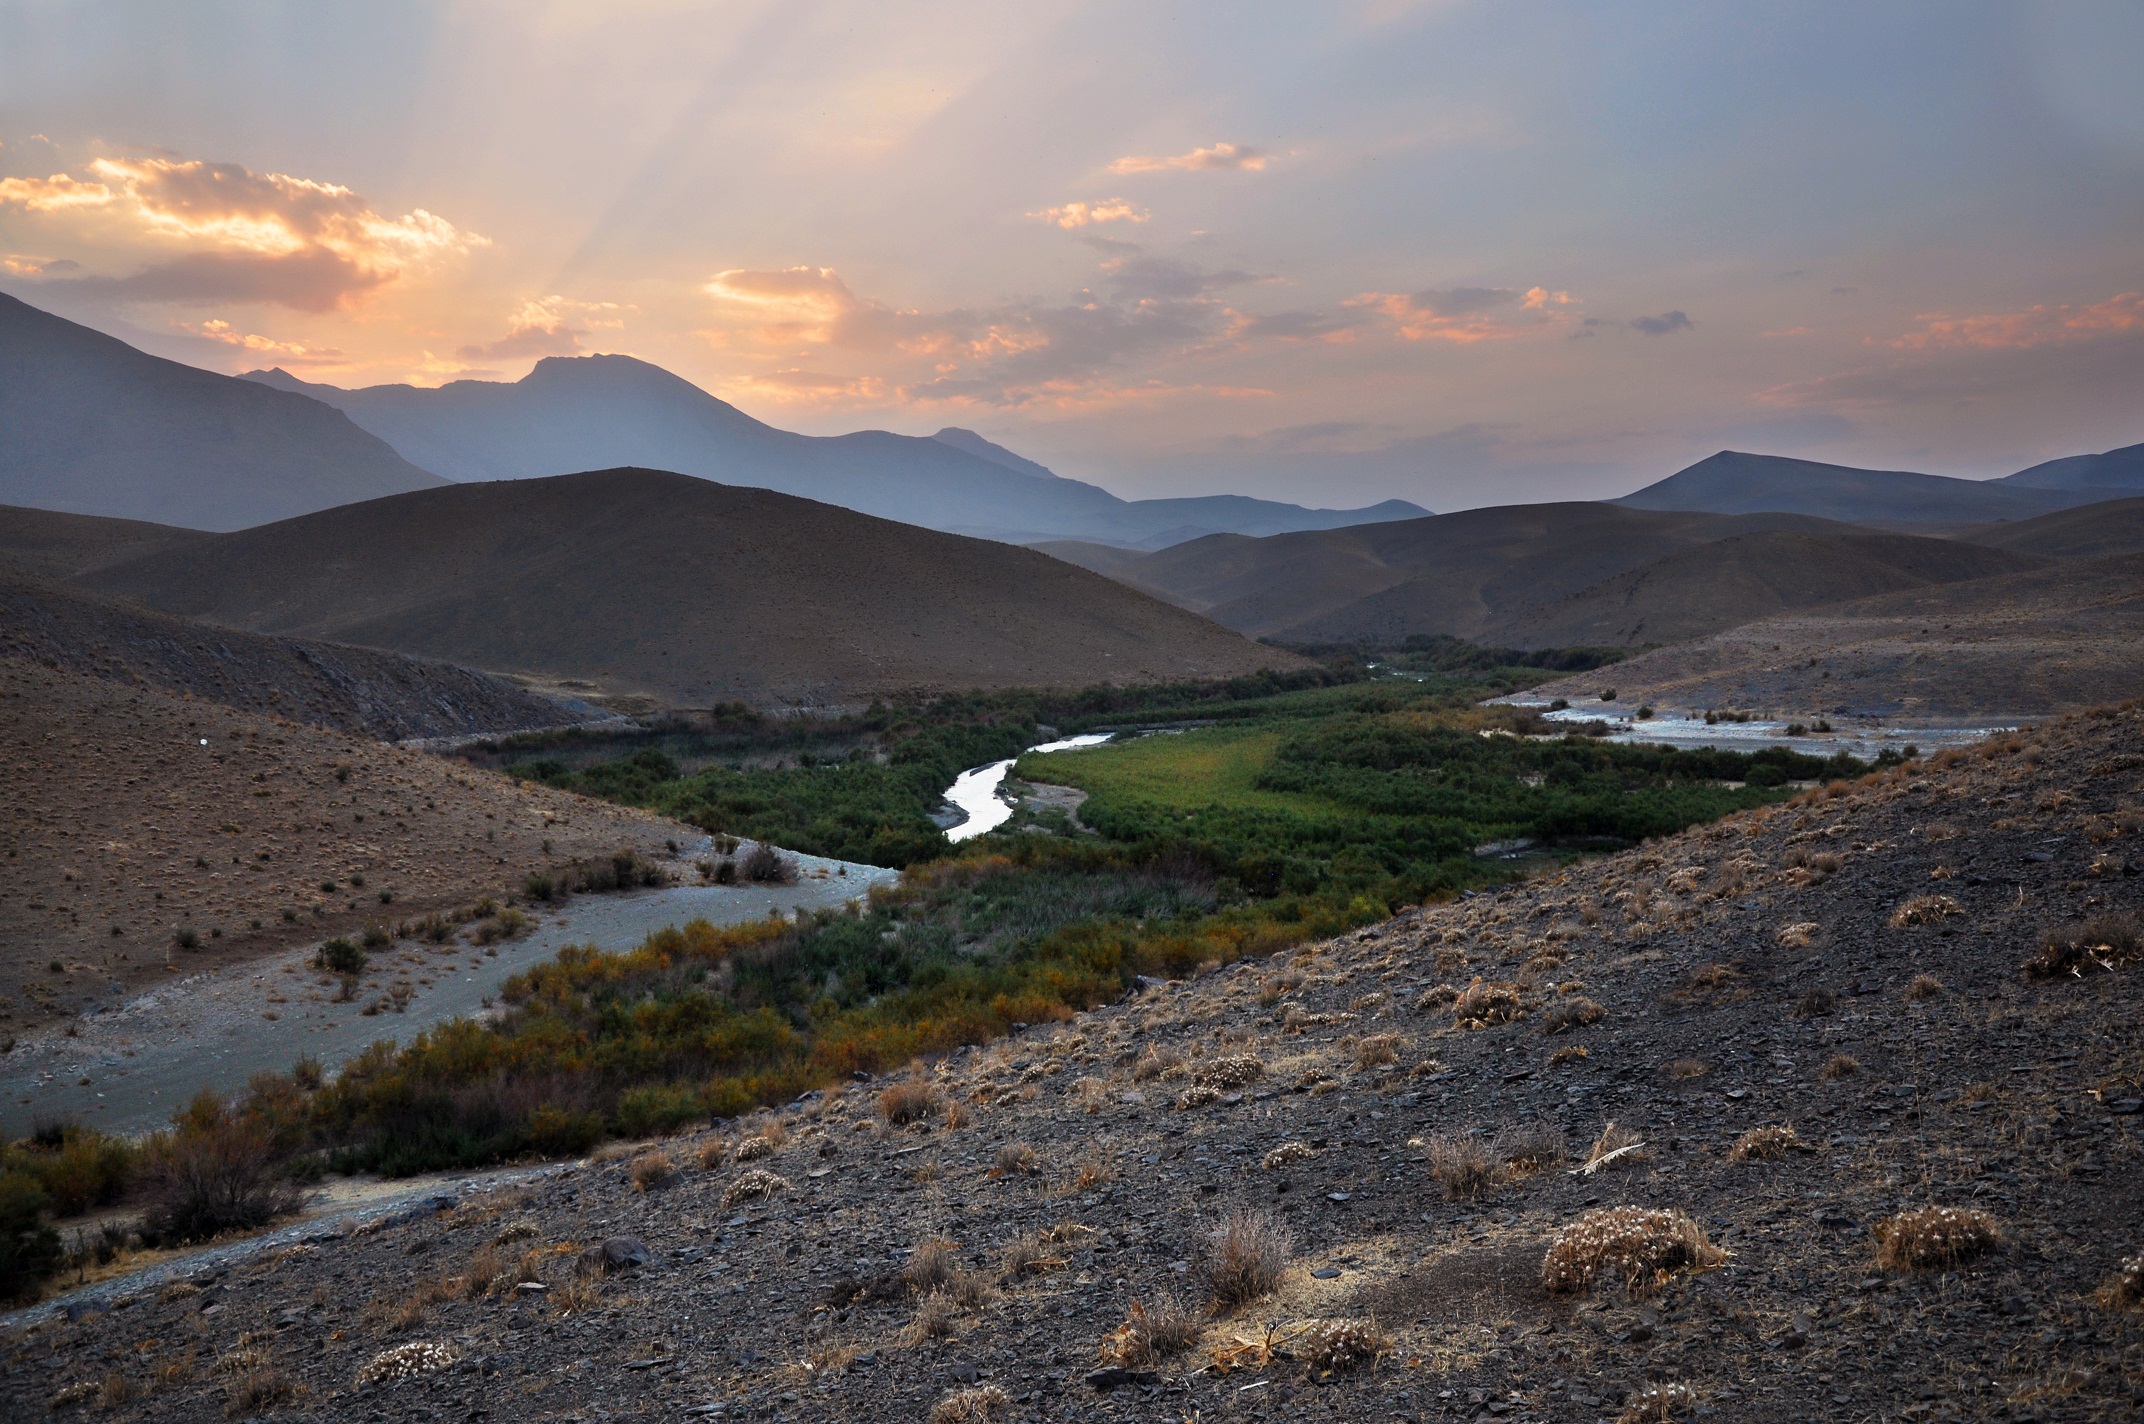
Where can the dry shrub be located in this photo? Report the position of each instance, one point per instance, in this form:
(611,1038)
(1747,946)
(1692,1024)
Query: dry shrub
(978,1405)
(1798,936)
(1530,1147)
(1925,910)
(1235,1071)
(1333,1346)
(2094,947)
(1016,1159)
(651,1170)
(1462,1161)
(934,1319)
(1378,1049)
(1572,1054)
(1091,1094)
(1484,1005)
(765,865)
(1816,1004)
(1615,1147)
(1764,1144)
(1924,987)
(753,1186)
(1683,1070)
(250,1388)
(1153,1333)
(1841,1065)
(714,1153)
(2124,1289)
(1282,1155)
(910,1100)
(214,1173)
(116,1391)
(956,1117)
(930,1266)
(1198,1095)
(1638,1247)
(1159,1061)
(1934,1237)
(1032,1254)
(1659,1403)
(405,1362)
(1246,1255)
(1573,1012)
(1092,1173)
(753,1148)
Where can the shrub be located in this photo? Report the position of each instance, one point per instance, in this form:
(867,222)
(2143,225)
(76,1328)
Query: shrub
(909,1100)
(930,1266)
(1484,1005)
(186,937)
(1332,1346)
(1640,1247)
(1816,1004)
(1575,1011)
(1841,1065)
(1236,1071)
(1158,1061)
(29,1249)
(1658,1403)
(1246,1255)
(1934,1237)
(1378,1049)
(215,1173)
(1017,1159)
(1923,987)
(2094,947)
(1763,1144)
(1925,910)
(1463,1162)
(404,1362)
(751,1149)
(538,887)
(1282,1155)
(764,865)
(340,956)
(1153,1333)
(753,1186)
(2124,1290)
(651,1170)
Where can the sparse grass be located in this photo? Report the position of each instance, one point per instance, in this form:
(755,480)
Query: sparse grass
(1159,1061)
(930,1266)
(1484,1005)
(1378,1049)
(1636,1247)
(650,1170)
(1091,1173)
(1246,1255)
(1935,1237)
(1016,1159)
(1765,1144)
(1923,988)
(935,1319)
(714,1153)
(1925,910)
(1840,1065)
(1030,1254)
(978,1405)
(910,1100)
(1463,1162)
(1153,1333)
(1576,1011)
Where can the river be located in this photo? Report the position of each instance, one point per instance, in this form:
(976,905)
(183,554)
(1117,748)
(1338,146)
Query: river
(976,792)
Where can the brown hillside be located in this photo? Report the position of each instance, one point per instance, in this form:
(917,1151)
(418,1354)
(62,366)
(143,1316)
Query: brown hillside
(44,543)
(361,691)
(1734,581)
(118,828)
(1983,652)
(1806,1027)
(653,588)
(1467,574)
(2097,530)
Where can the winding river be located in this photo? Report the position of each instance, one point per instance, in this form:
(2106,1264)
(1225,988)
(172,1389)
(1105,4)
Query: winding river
(976,792)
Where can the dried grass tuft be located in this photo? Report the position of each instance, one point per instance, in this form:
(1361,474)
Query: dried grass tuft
(1484,1005)
(2124,1289)
(753,1186)
(1153,1333)
(1335,1346)
(1658,1403)
(978,1405)
(1935,1237)
(1246,1255)
(651,1170)
(909,1100)
(1637,1247)
(1764,1144)
(1925,910)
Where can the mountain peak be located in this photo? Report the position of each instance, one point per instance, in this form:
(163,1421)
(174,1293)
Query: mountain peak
(996,454)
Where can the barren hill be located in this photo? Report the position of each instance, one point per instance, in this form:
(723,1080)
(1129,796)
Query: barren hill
(43,543)
(2113,470)
(2094,531)
(2024,645)
(129,813)
(1851,1160)
(650,588)
(93,426)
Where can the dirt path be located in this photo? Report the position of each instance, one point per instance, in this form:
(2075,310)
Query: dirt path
(126,1069)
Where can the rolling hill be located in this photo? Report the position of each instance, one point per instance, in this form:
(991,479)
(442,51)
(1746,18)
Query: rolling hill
(575,413)
(1732,482)
(2114,526)
(2121,469)
(44,543)
(89,425)
(651,589)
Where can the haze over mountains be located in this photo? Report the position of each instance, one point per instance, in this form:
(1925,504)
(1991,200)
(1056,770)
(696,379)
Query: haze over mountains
(576,413)
(652,590)
(1733,482)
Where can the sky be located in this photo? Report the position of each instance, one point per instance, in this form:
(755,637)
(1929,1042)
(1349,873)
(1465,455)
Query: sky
(1457,253)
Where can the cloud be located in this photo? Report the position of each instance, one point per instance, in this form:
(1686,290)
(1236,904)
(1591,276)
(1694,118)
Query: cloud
(2121,314)
(288,352)
(241,235)
(1459,314)
(1082,214)
(1664,324)
(813,388)
(1150,277)
(540,328)
(1219,157)
(1302,325)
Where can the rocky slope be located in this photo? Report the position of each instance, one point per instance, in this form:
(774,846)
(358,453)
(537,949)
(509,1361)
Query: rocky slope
(1851,966)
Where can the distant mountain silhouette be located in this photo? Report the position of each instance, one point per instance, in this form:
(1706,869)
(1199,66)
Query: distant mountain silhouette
(2121,469)
(89,425)
(652,590)
(1732,482)
(596,412)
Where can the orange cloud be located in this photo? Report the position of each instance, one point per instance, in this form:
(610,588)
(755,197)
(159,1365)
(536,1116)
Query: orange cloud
(1220,156)
(242,235)
(291,351)
(814,306)
(1462,315)
(2035,326)
(813,388)
(1079,214)
(544,327)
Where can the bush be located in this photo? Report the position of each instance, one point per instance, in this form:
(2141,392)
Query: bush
(909,1100)
(1246,1255)
(2094,947)
(77,1167)
(29,1249)
(539,888)
(186,937)
(764,865)
(1934,1237)
(342,956)
(215,1172)
(1153,1333)
(1637,1247)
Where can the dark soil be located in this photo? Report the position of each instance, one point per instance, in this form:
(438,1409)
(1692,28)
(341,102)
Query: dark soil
(1984,1089)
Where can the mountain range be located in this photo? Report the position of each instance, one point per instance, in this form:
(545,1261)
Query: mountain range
(575,413)
(1734,482)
